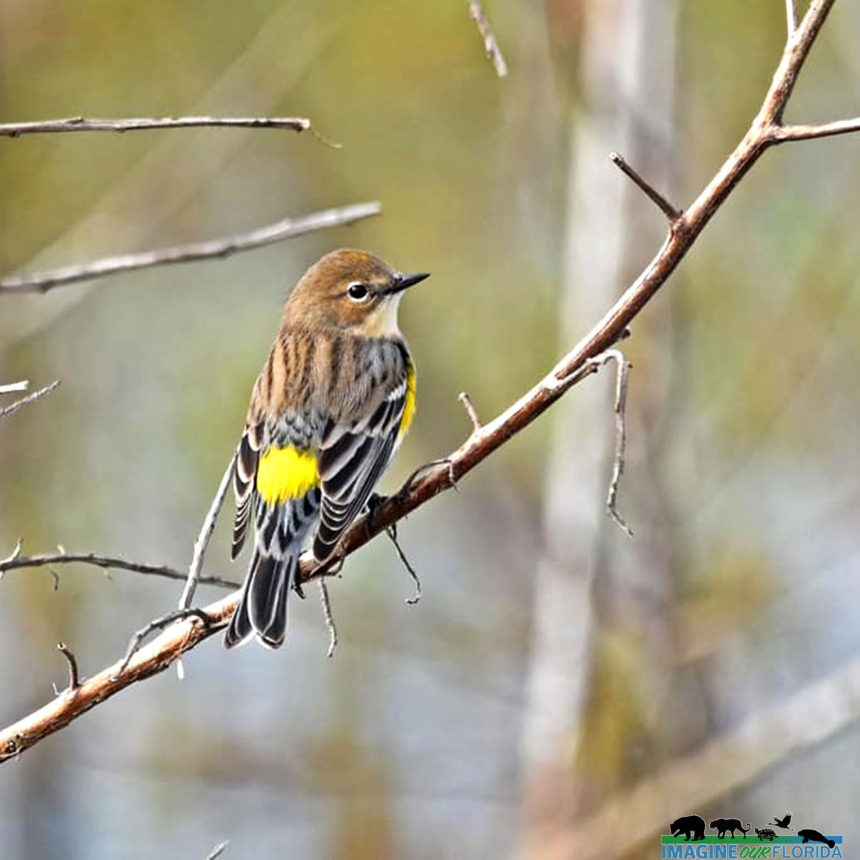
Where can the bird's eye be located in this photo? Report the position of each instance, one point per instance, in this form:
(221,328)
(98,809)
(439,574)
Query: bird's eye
(357,292)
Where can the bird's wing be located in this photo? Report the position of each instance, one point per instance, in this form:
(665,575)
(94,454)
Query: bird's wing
(353,455)
(244,481)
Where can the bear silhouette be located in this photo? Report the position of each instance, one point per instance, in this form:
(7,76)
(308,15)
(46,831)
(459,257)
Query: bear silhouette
(691,826)
(728,824)
(810,835)
(766,834)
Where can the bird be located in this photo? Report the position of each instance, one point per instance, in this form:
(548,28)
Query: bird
(328,410)
(783,822)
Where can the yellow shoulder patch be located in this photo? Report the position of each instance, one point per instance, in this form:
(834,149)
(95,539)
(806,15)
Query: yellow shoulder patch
(286,473)
(409,405)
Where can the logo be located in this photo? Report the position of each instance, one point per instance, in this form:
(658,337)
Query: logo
(727,840)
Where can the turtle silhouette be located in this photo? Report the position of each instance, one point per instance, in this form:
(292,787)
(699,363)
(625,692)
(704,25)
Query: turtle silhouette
(765,834)
(783,822)
(810,835)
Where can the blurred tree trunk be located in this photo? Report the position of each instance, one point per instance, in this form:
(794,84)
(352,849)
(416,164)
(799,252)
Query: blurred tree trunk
(625,89)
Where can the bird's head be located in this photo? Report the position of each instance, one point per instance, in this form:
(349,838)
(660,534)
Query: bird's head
(350,290)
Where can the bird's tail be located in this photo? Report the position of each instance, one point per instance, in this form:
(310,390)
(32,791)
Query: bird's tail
(262,609)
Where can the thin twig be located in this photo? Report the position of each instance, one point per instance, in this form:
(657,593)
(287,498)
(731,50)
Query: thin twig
(620,411)
(79,123)
(204,537)
(329,618)
(491,46)
(186,634)
(391,531)
(785,133)
(464,398)
(12,387)
(41,282)
(74,683)
(16,560)
(30,398)
(791,16)
(218,850)
(670,211)
(160,624)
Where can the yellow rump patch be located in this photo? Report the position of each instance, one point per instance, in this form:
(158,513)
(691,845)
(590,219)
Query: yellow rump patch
(409,405)
(286,473)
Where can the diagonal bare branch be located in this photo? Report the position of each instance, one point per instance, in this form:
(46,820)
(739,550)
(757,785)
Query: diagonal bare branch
(30,398)
(79,123)
(202,542)
(286,228)
(491,46)
(428,482)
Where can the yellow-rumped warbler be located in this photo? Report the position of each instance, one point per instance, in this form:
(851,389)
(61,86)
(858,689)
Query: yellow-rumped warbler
(328,410)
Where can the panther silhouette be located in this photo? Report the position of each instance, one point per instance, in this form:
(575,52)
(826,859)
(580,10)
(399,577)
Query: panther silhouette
(721,825)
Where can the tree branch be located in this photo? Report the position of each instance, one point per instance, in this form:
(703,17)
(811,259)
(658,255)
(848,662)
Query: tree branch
(286,228)
(672,213)
(187,633)
(79,123)
(17,561)
(30,398)
(791,16)
(784,133)
(202,542)
(491,46)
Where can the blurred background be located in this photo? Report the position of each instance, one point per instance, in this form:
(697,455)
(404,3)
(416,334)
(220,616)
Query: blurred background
(561,690)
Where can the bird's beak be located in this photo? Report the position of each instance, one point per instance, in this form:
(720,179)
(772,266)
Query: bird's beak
(403,282)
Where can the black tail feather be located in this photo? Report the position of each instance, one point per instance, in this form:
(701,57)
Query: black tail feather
(262,610)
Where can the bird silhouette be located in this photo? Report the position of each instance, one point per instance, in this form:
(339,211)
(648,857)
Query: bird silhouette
(783,822)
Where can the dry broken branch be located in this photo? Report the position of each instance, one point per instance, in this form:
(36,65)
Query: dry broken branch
(286,228)
(16,561)
(429,482)
(491,46)
(79,123)
(30,398)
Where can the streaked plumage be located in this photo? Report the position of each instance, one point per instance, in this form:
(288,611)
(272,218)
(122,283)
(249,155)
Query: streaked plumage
(328,410)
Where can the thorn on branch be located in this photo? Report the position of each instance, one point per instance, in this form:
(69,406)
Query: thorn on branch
(464,398)
(74,681)
(491,46)
(329,618)
(671,212)
(159,624)
(12,558)
(391,531)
